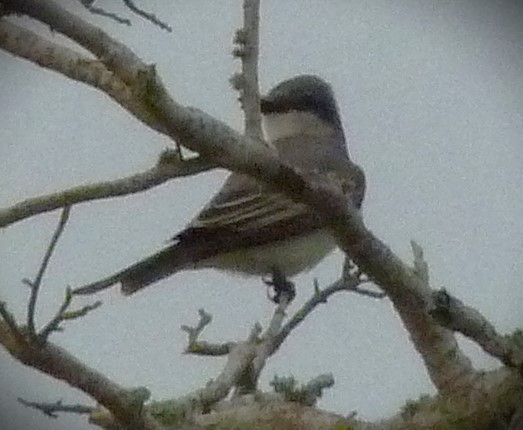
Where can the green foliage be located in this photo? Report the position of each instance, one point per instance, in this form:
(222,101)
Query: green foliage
(411,407)
(288,387)
(168,412)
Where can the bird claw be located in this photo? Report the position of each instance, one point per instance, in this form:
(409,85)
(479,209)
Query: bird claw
(281,287)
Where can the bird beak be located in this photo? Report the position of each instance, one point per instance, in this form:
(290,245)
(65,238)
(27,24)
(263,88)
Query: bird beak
(266,105)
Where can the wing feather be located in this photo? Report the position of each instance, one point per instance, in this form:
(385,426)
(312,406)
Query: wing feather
(251,207)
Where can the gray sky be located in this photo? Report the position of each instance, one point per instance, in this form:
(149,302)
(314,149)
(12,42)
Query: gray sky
(431,95)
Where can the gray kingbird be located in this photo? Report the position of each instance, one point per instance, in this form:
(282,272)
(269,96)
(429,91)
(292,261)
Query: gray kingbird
(250,228)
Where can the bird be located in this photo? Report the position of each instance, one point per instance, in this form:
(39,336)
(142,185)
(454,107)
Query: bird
(249,227)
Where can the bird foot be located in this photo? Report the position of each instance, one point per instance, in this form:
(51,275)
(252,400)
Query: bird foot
(281,287)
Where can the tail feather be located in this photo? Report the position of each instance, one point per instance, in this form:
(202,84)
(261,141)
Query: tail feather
(158,266)
(152,269)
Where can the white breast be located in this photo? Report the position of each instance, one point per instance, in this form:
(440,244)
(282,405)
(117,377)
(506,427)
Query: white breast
(289,256)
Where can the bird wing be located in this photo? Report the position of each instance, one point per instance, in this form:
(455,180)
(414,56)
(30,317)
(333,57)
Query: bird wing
(246,213)
(244,204)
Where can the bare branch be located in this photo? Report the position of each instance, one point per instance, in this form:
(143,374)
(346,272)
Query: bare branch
(11,324)
(51,409)
(124,404)
(275,335)
(63,314)
(26,44)
(89,5)
(265,345)
(319,296)
(453,314)
(35,285)
(420,265)
(115,55)
(247,49)
(349,277)
(198,347)
(277,317)
(147,15)
(136,183)
(238,360)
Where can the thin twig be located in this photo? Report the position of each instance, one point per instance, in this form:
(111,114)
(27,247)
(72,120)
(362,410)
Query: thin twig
(239,358)
(136,183)
(420,265)
(147,15)
(63,314)
(51,409)
(197,347)
(350,284)
(247,41)
(89,5)
(35,285)
(275,334)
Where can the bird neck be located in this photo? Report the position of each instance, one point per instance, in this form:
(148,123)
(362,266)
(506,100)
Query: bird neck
(283,125)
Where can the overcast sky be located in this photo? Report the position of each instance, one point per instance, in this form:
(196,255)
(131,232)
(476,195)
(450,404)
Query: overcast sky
(431,95)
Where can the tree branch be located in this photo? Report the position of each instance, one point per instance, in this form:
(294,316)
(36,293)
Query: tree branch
(115,55)
(51,409)
(319,297)
(198,347)
(30,46)
(453,314)
(35,285)
(247,49)
(157,175)
(124,404)
(239,359)
(64,314)
(10,323)
(147,15)
(89,5)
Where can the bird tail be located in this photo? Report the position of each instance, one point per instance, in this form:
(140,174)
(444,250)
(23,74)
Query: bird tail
(133,278)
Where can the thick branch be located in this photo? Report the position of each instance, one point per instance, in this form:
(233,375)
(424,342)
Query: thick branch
(124,404)
(115,55)
(239,358)
(265,347)
(453,314)
(26,44)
